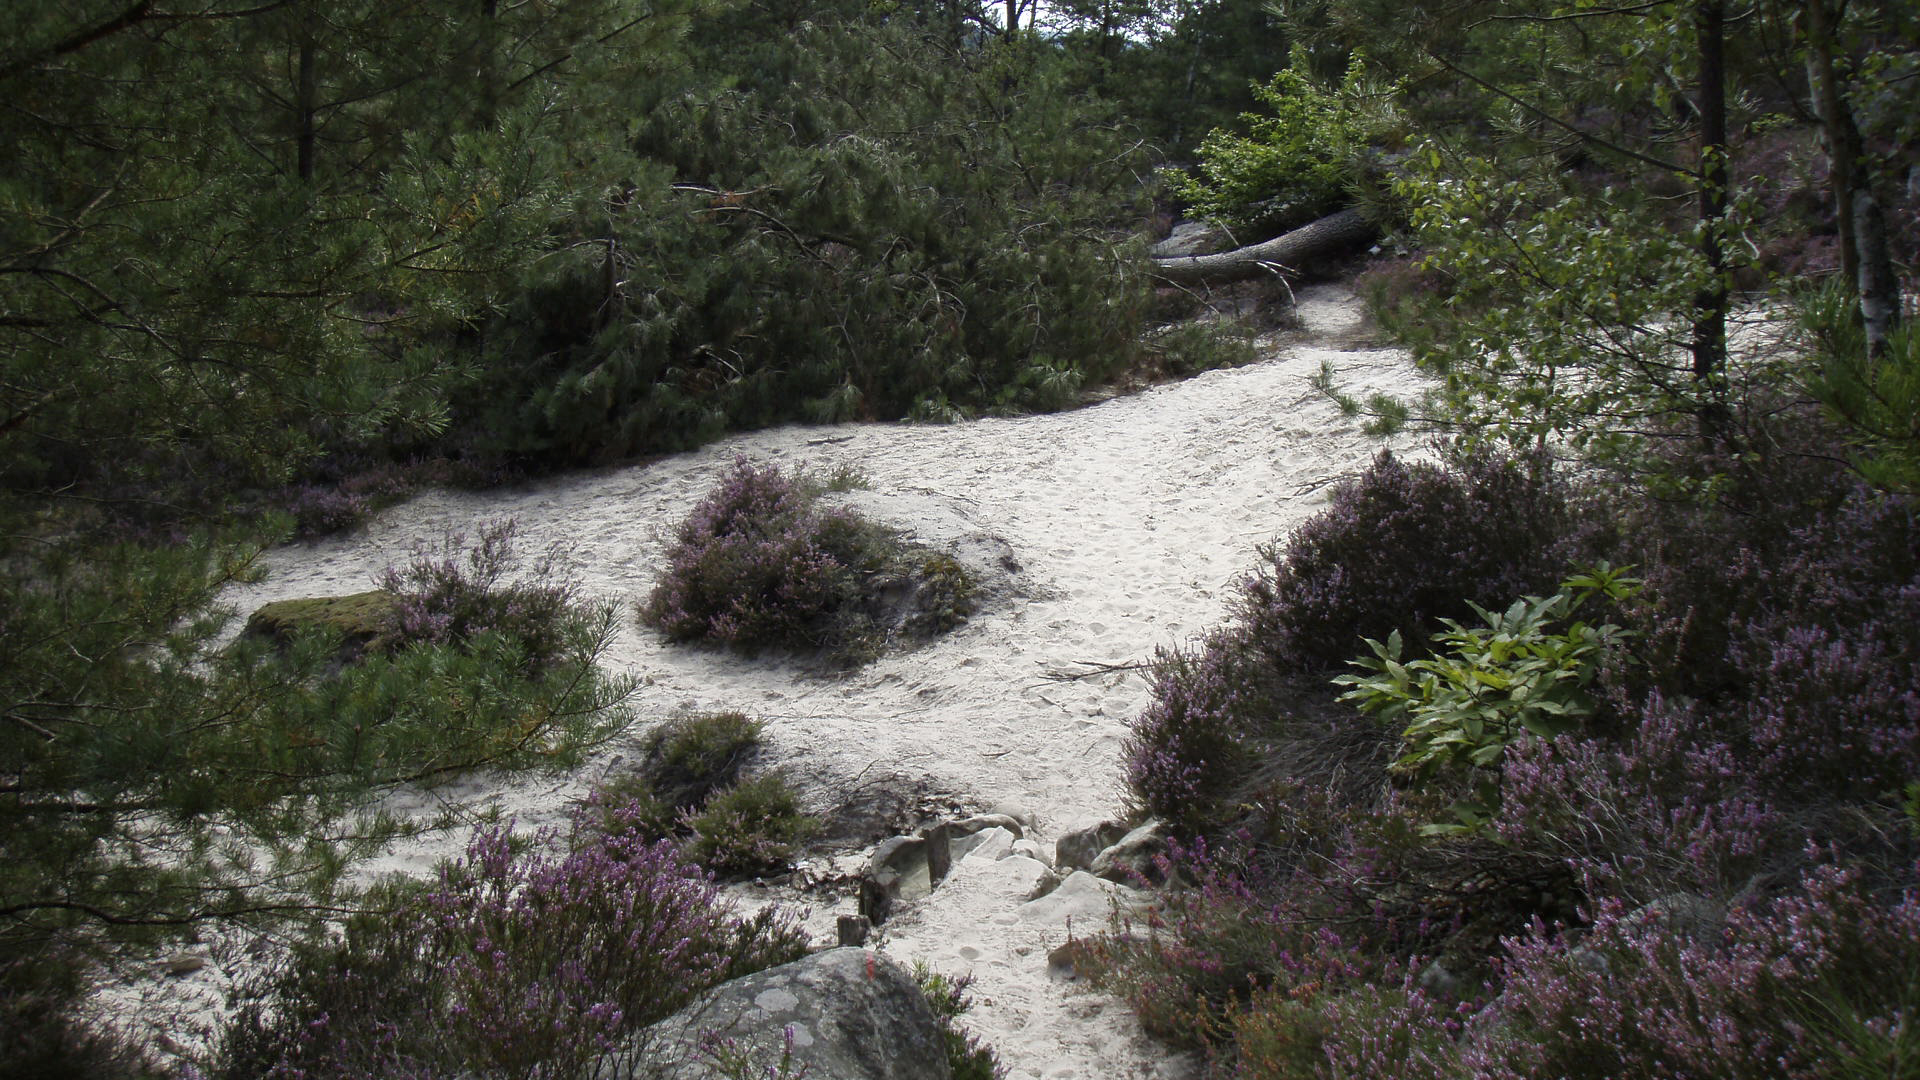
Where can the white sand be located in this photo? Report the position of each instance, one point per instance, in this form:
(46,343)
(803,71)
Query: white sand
(1129,521)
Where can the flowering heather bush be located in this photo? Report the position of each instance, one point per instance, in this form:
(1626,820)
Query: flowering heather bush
(688,789)
(1189,750)
(511,965)
(1400,548)
(967,1057)
(760,563)
(1667,809)
(318,509)
(1831,653)
(1800,631)
(1248,938)
(1824,982)
(1751,761)
(453,593)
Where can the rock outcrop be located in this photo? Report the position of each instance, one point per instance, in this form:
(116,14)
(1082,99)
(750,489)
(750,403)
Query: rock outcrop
(842,1014)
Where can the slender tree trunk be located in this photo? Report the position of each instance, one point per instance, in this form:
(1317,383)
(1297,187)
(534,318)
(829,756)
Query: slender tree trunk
(1866,262)
(1837,130)
(305,102)
(1879,287)
(1710,303)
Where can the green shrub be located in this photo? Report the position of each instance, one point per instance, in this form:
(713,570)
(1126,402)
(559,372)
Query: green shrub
(754,827)
(1489,685)
(1300,160)
(872,224)
(688,758)
(236,780)
(1877,398)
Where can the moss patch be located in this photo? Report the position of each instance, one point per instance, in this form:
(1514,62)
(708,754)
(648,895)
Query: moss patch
(364,622)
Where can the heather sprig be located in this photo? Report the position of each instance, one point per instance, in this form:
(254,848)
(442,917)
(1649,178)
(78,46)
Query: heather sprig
(1821,982)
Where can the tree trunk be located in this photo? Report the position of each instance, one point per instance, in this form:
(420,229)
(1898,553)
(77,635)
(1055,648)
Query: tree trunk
(305,103)
(1330,235)
(1879,287)
(1710,303)
(1866,264)
(1837,131)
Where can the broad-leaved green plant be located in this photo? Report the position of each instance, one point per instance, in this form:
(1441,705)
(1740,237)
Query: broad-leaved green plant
(1524,671)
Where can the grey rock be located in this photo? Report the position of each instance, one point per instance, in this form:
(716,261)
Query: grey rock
(853,929)
(897,872)
(1131,858)
(1193,238)
(989,844)
(898,853)
(184,964)
(845,1014)
(1435,979)
(982,822)
(1684,915)
(939,840)
(879,891)
(1077,850)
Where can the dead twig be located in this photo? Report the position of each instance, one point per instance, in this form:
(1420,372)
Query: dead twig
(1095,668)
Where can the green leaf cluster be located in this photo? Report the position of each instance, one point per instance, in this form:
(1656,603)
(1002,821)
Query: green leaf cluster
(1301,156)
(1524,671)
(1563,314)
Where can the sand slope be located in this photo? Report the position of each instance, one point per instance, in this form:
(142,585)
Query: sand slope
(1109,531)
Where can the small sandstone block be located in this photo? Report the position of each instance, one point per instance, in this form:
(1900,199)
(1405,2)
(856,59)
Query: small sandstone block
(1131,859)
(183,964)
(1077,850)
(854,930)
(994,843)
(981,822)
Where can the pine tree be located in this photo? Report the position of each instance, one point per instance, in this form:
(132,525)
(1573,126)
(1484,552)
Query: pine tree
(233,235)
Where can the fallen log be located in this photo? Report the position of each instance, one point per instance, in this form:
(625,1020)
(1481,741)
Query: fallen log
(1282,254)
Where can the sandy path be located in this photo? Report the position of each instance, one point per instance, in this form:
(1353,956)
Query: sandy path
(1128,520)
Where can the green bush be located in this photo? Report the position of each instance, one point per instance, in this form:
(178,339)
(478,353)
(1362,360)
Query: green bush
(688,789)
(871,222)
(1524,672)
(1300,159)
(688,758)
(753,827)
(164,779)
(1877,398)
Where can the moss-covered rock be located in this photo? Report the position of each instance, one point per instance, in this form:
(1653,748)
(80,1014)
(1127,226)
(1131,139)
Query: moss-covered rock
(364,622)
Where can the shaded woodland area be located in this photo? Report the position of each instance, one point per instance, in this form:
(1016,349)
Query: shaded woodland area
(269,265)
